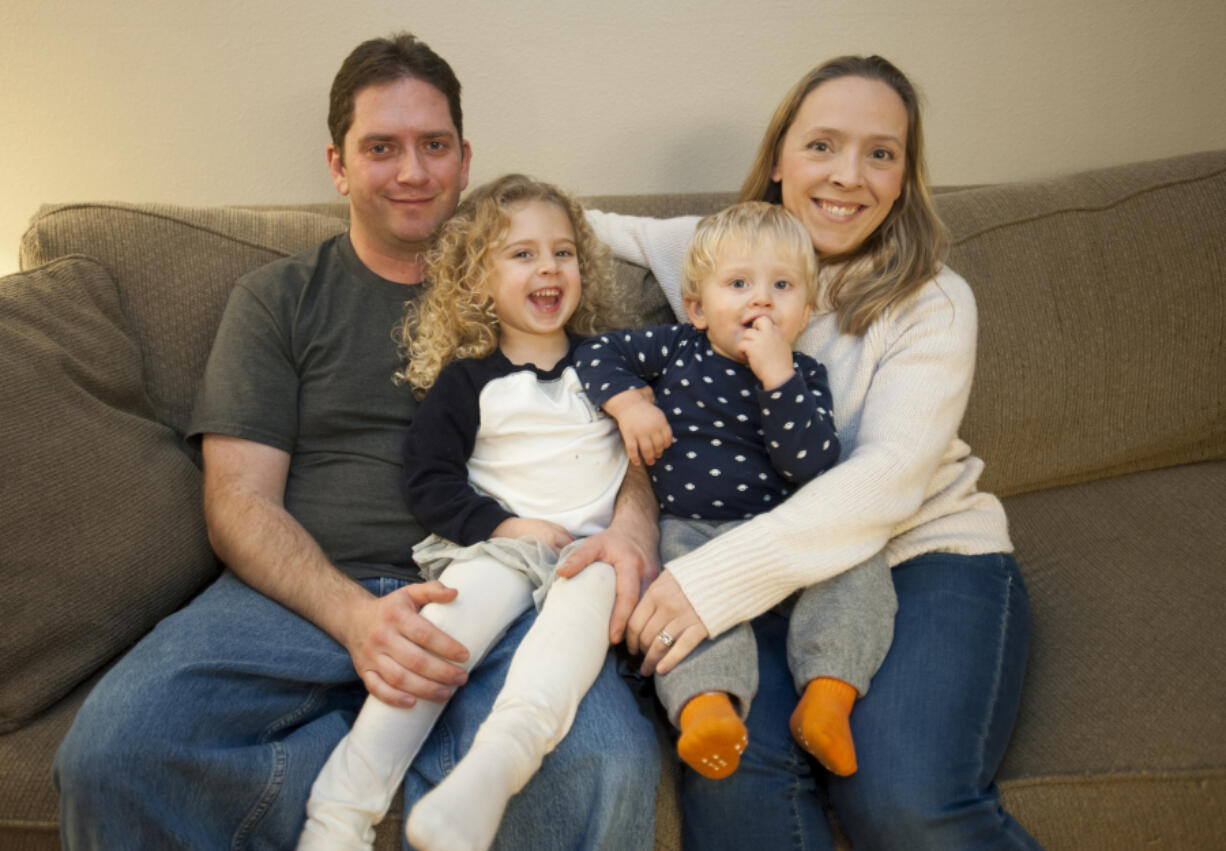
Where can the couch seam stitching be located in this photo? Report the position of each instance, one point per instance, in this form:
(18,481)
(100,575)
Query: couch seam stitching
(1087,209)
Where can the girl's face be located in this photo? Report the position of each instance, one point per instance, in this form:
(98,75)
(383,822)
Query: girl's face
(535,281)
(842,161)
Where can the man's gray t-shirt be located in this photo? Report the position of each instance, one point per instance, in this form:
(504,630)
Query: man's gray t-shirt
(303,362)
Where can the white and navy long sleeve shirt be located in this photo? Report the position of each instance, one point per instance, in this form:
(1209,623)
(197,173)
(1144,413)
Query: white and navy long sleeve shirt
(738,449)
(493,440)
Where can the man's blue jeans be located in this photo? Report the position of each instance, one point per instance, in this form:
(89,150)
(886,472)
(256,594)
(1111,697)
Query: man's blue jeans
(929,734)
(209,733)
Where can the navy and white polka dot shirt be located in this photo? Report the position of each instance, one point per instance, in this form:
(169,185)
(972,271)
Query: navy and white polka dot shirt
(738,450)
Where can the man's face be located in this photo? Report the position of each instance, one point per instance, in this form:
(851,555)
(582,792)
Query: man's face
(403,168)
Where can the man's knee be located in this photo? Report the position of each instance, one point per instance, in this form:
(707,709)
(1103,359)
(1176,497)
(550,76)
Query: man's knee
(97,749)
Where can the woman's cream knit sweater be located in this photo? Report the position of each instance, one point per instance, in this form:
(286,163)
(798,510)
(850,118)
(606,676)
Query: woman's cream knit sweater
(905,482)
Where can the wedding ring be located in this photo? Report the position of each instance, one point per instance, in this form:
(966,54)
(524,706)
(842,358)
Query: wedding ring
(665,639)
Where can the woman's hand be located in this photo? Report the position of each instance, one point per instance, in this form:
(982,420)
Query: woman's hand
(663,610)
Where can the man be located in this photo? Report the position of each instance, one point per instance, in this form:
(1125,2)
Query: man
(209,733)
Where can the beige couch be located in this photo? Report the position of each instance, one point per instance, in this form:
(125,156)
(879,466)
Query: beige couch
(1099,407)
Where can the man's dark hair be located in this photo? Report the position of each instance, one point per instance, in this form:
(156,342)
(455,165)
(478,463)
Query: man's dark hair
(386,60)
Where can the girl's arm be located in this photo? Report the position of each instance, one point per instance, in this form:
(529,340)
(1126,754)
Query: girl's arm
(436,452)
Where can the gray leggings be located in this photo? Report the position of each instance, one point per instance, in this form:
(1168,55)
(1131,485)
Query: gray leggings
(839,628)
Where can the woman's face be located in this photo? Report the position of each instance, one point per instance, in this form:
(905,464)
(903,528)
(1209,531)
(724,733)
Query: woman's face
(842,161)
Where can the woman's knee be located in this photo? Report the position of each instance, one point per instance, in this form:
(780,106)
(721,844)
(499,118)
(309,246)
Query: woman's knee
(916,817)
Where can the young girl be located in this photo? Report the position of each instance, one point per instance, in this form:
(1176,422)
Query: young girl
(508,464)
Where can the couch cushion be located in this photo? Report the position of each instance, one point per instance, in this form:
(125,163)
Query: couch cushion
(1102,311)
(29,807)
(1125,695)
(101,531)
(154,252)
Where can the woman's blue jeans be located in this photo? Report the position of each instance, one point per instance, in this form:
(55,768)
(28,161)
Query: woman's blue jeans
(929,734)
(209,733)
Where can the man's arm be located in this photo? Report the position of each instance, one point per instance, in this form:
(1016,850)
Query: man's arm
(631,545)
(399,655)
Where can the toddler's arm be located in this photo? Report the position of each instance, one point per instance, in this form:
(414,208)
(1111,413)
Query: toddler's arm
(612,364)
(798,425)
(644,428)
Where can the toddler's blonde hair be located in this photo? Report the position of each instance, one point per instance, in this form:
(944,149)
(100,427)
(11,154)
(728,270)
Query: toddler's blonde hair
(739,228)
(454,318)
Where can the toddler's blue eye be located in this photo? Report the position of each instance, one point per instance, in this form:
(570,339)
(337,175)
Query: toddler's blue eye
(738,284)
(783,285)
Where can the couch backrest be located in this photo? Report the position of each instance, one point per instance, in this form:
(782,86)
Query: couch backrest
(1102,300)
(1102,303)
(174,268)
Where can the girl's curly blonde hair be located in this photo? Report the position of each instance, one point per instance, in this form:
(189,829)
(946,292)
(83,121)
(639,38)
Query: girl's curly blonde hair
(454,318)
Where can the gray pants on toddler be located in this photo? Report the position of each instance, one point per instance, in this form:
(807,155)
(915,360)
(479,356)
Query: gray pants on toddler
(840,628)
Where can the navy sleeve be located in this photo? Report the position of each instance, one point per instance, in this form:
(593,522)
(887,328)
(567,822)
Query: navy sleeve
(617,361)
(798,423)
(436,452)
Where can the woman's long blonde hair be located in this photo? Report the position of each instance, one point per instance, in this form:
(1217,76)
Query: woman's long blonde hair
(454,318)
(908,247)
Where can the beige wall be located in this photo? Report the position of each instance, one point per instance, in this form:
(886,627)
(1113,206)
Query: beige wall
(223,101)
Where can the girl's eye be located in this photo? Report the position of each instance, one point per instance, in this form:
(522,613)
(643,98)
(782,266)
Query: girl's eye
(565,252)
(738,284)
(783,285)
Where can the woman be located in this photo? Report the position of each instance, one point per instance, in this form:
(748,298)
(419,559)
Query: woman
(844,154)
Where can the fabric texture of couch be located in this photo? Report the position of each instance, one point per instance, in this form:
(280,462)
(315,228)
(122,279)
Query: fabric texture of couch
(1099,408)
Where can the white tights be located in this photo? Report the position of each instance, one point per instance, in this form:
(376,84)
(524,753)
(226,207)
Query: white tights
(555,664)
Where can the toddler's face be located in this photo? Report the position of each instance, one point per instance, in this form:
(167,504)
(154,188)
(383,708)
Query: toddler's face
(748,283)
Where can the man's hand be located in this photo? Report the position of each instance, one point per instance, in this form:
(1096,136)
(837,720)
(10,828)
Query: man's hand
(630,545)
(400,655)
(644,428)
(550,534)
(664,610)
(768,353)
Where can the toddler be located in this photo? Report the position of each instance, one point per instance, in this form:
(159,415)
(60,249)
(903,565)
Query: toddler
(739,422)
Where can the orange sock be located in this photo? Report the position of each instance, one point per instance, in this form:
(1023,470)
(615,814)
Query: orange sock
(712,735)
(820,724)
